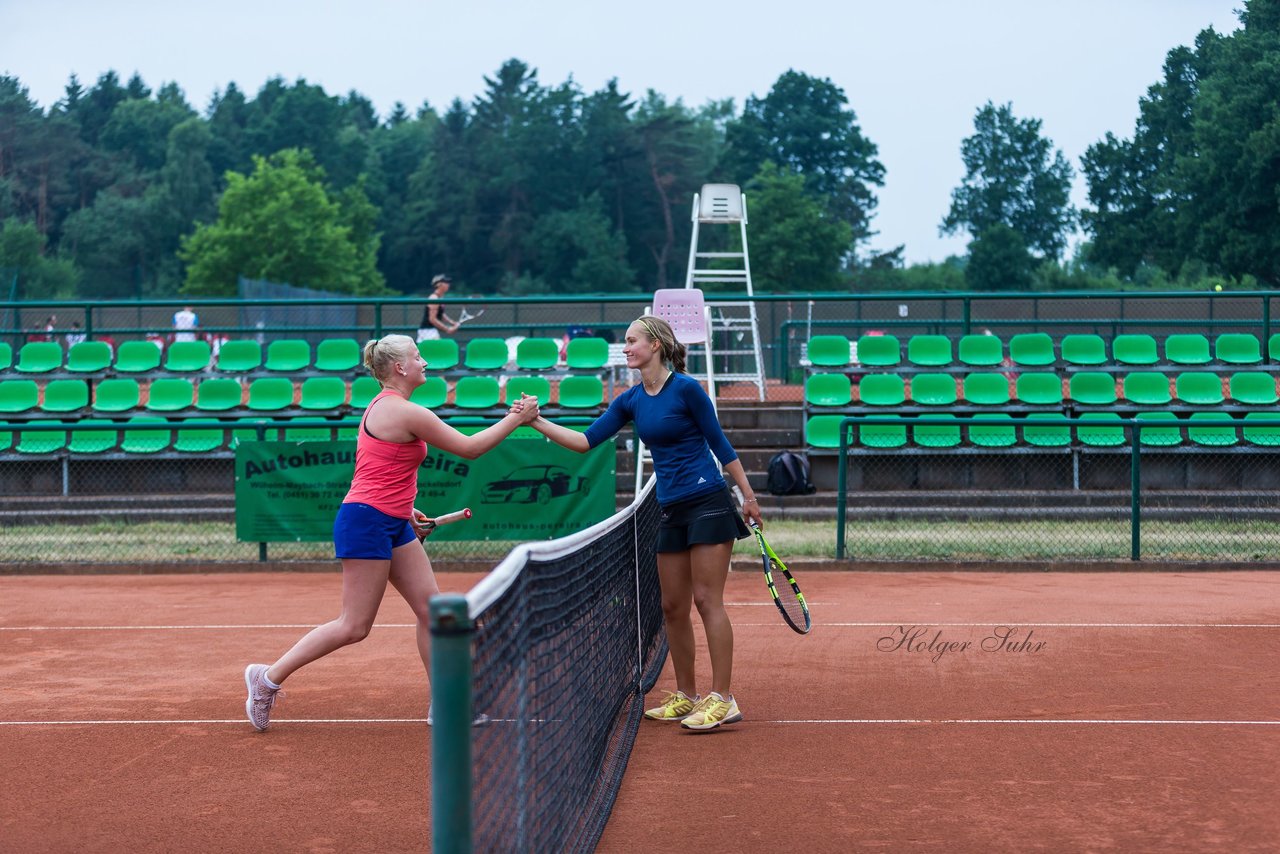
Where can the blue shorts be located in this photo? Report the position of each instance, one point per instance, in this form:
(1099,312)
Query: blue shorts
(361,531)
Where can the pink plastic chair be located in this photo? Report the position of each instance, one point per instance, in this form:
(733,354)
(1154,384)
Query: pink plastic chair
(686,311)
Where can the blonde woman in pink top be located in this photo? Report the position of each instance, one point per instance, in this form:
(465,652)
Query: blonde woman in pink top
(376,533)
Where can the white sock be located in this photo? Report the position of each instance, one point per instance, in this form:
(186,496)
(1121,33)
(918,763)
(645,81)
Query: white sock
(265,681)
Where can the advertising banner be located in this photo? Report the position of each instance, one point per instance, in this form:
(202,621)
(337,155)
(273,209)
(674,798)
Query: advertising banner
(527,488)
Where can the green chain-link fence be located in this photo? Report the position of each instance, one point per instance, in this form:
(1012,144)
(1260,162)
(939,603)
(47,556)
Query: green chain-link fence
(1117,489)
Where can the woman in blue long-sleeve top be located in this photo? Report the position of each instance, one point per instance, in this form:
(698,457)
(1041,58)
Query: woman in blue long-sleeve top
(700,520)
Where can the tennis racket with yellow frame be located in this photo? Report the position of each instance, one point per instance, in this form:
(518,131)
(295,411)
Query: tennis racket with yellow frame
(790,600)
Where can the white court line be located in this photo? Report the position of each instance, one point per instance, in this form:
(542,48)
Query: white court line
(867,721)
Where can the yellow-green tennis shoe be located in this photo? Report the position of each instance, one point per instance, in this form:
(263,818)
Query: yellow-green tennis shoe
(713,711)
(676,707)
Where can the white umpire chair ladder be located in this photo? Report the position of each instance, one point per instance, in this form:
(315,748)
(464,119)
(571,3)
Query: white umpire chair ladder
(690,319)
(724,205)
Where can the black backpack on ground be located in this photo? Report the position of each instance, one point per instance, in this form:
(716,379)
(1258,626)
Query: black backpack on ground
(789,475)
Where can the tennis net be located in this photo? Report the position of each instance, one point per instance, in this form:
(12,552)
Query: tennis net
(567,638)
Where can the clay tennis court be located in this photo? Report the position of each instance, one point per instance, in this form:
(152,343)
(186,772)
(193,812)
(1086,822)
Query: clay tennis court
(1121,712)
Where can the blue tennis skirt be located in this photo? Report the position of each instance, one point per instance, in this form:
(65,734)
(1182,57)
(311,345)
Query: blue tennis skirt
(364,532)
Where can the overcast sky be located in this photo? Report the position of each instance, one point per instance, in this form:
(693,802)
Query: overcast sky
(914,71)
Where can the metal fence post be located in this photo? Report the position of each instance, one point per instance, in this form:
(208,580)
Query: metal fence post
(1135,493)
(452,717)
(842,481)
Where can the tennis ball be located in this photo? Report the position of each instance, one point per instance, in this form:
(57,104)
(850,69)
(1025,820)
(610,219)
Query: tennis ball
(1217,287)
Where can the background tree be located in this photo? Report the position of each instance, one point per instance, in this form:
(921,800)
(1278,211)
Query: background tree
(794,244)
(999,261)
(1013,177)
(280,224)
(804,125)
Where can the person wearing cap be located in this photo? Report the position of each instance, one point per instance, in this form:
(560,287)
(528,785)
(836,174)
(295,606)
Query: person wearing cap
(434,320)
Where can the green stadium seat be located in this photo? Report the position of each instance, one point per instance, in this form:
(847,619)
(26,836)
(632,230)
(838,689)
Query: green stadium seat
(537,387)
(587,354)
(1273,349)
(1267,434)
(882,390)
(1212,429)
(1253,388)
(288,355)
(1031,350)
(236,357)
(247,432)
(39,357)
(89,357)
(6,361)
(308,434)
(44,441)
(933,389)
(323,393)
(828,351)
(65,396)
(219,395)
(441,354)
(142,441)
(981,351)
(993,430)
(1147,388)
(93,436)
(6,440)
(1237,348)
(137,357)
(18,396)
(485,354)
(477,393)
(537,354)
(198,440)
(874,435)
(433,393)
(1187,349)
(988,389)
(823,431)
(184,357)
(270,394)
(827,390)
(1166,435)
(1199,388)
(1040,434)
(936,431)
(363,390)
(1084,350)
(929,351)
(580,392)
(879,351)
(1038,389)
(170,395)
(1101,433)
(1134,350)
(1092,388)
(350,429)
(116,395)
(338,354)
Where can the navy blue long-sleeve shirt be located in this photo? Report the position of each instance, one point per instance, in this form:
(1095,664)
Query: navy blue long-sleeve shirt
(680,428)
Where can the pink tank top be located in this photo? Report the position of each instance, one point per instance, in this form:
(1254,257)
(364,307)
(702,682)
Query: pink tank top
(386,476)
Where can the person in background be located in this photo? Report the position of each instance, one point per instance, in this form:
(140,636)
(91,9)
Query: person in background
(185,323)
(673,416)
(377,533)
(434,321)
(75,335)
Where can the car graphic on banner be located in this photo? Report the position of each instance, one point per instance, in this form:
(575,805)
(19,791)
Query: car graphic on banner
(536,484)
